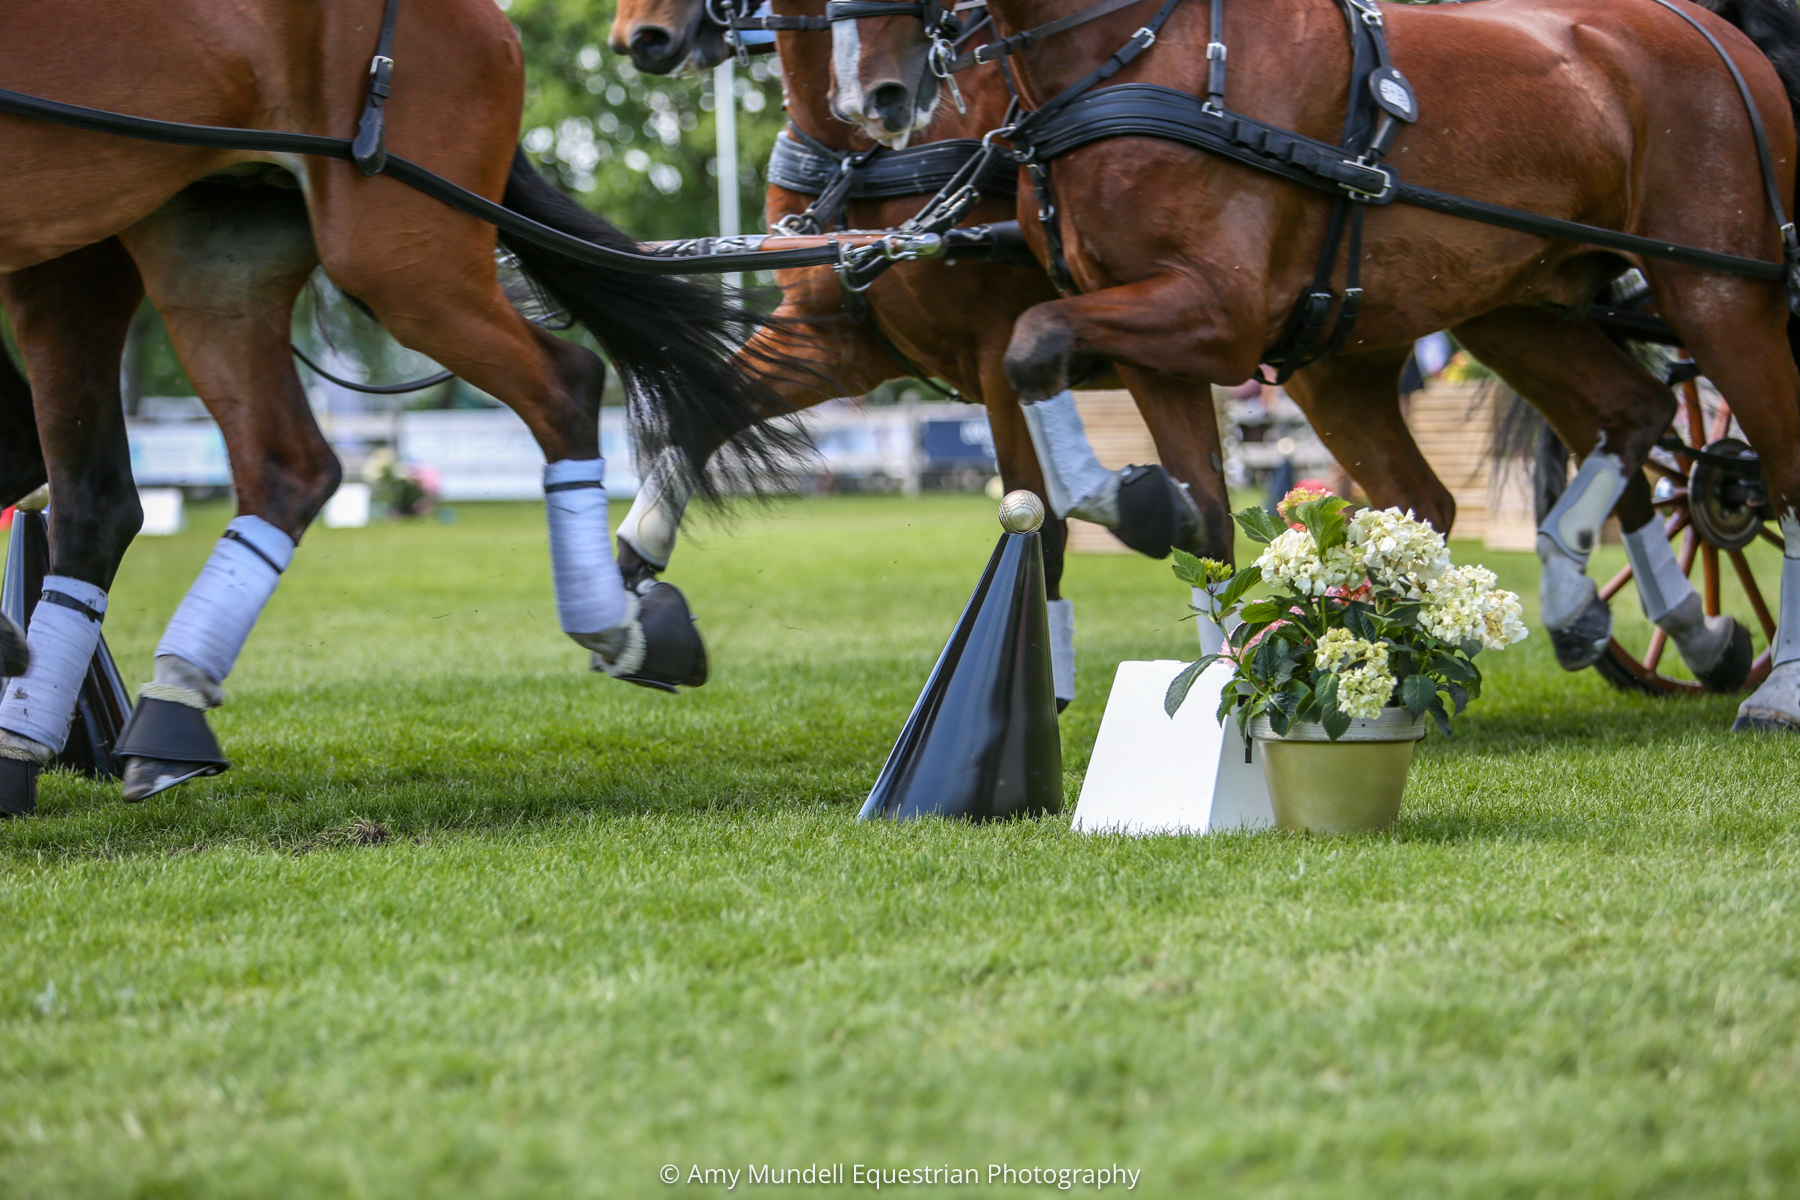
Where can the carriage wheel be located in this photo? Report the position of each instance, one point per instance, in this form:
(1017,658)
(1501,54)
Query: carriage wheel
(1709,527)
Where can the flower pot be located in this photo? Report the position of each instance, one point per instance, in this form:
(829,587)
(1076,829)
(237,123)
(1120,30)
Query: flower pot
(1352,785)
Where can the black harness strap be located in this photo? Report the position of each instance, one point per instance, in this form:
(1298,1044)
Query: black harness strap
(232,535)
(374,389)
(369,151)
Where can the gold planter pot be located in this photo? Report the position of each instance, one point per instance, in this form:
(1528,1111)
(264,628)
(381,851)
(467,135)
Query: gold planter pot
(1352,785)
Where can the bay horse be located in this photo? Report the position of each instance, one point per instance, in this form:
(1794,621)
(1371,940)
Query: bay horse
(1589,111)
(76,199)
(951,320)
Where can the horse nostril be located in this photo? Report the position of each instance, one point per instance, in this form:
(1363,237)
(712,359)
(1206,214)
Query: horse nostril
(650,46)
(891,103)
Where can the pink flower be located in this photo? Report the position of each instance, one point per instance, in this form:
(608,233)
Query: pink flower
(1363,591)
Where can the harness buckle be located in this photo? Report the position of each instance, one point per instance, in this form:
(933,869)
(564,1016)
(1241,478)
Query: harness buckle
(1215,51)
(1364,195)
(377,63)
(1370,14)
(1146,32)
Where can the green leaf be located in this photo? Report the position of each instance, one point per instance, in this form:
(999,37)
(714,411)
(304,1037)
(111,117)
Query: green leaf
(1451,667)
(1189,569)
(1440,716)
(1240,583)
(1278,720)
(1260,525)
(1261,613)
(1459,696)
(1357,620)
(1471,647)
(1180,685)
(1336,724)
(1324,519)
(1418,692)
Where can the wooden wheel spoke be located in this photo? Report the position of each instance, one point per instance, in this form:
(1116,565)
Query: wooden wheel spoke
(1774,539)
(1721,423)
(1754,592)
(1659,641)
(1709,568)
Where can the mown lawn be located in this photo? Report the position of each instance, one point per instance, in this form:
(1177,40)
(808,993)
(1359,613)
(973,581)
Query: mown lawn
(468,920)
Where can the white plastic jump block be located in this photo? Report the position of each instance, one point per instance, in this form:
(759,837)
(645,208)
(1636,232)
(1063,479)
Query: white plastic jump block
(164,511)
(348,507)
(1152,773)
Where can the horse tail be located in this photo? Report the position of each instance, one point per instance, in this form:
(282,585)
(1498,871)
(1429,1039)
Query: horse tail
(1522,437)
(21,457)
(674,343)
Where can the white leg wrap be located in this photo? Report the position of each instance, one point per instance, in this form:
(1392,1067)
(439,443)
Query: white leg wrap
(39,704)
(1062,647)
(1787,629)
(1574,524)
(1661,586)
(1212,636)
(1075,482)
(590,594)
(655,517)
(215,617)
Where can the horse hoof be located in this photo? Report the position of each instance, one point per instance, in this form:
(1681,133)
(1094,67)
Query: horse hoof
(146,777)
(1155,512)
(165,744)
(674,654)
(1581,642)
(1733,668)
(1775,706)
(18,787)
(14,657)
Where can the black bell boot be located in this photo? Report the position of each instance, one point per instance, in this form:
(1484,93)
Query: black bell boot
(674,655)
(18,787)
(14,658)
(166,744)
(1155,512)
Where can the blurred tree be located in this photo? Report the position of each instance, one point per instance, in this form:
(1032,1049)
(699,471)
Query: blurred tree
(636,148)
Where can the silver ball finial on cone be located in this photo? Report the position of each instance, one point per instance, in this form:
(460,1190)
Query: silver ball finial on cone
(1021,512)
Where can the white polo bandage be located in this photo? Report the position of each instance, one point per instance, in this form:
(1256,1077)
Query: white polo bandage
(1662,587)
(590,595)
(1787,632)
(1062,647)
(1075,483)
(65,629)
(655,517)
(216,616)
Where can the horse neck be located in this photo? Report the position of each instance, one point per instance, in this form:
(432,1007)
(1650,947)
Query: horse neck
(806,80)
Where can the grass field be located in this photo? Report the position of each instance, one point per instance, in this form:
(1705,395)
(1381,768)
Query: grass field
(468,920)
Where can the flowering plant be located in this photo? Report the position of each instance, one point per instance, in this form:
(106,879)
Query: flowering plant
(1364,612)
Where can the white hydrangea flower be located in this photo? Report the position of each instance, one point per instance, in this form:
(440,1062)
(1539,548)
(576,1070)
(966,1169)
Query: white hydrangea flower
(1364,691)
(1463,604)
(1401,553)
(1293,561)
(1340,648)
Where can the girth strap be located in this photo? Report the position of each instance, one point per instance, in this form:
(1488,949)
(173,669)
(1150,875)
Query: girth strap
(369,150)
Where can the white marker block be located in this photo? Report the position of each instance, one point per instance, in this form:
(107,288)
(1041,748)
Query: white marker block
(1152,773)
(164,511)
(348,507)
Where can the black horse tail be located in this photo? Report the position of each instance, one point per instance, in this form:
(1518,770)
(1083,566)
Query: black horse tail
(1522,437)
(21,457)
(1774,26)
(674,343)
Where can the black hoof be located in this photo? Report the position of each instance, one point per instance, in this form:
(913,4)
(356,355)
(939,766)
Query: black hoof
(674,655)
(1733,668)
(14,657)
(634,567)
(18,787)
(1581,642)
(1155,512)
(165,744)
(146,777)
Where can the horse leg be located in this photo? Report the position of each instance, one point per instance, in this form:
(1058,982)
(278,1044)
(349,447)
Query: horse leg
(1185,427)
(223,265)
(21,473)
(1737,332)
(70,317)
(1607,408)
(1142,505)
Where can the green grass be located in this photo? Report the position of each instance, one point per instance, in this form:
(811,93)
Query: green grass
(468,920)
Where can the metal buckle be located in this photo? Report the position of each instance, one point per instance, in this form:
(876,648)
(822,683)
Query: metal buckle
(375,64)
(1387,185)
(1151,33)
(1370,14)
(1215,51)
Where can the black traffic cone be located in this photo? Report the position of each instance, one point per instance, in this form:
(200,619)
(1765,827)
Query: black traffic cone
(982,741)
(104,704)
